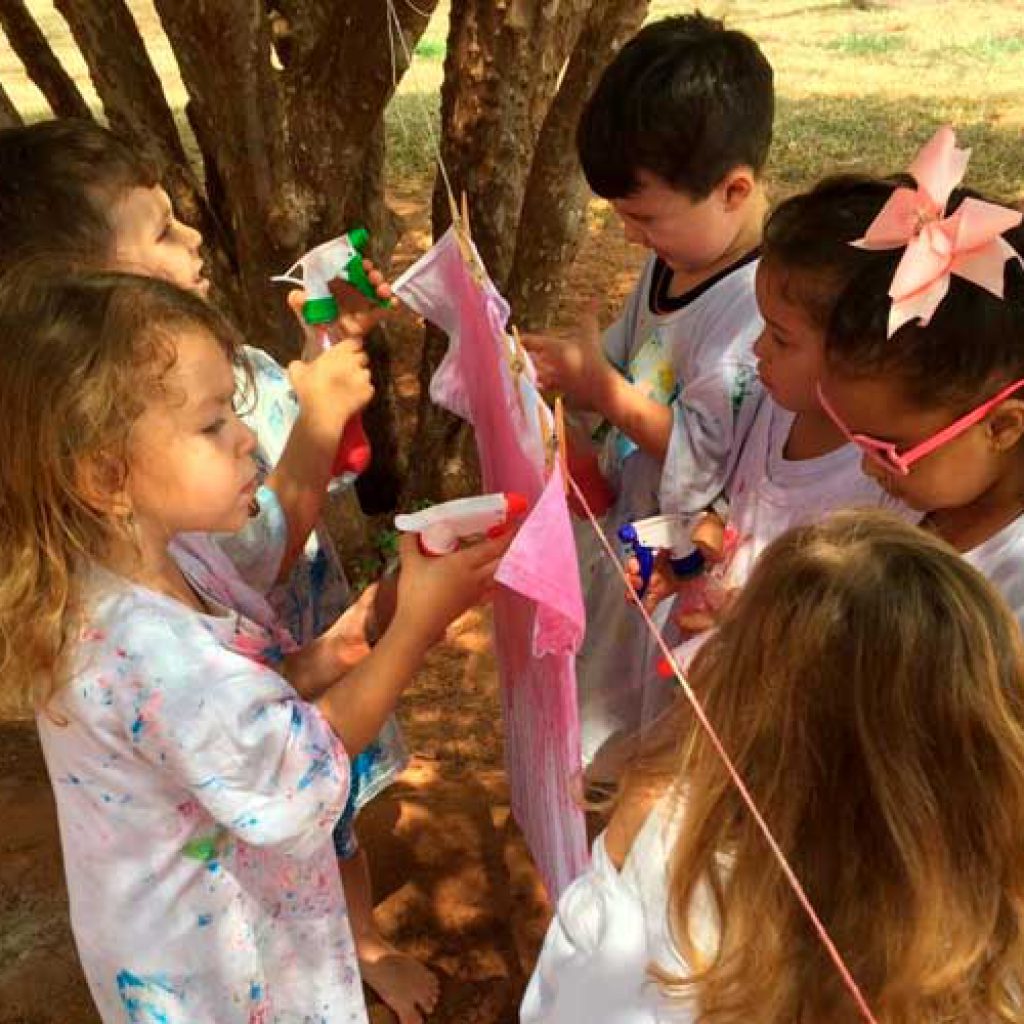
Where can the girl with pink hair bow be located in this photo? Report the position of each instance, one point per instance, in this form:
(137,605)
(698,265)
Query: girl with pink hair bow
(925,362)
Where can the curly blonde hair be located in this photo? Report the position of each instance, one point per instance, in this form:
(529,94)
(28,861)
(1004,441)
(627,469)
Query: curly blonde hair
(869,686)
(81,356)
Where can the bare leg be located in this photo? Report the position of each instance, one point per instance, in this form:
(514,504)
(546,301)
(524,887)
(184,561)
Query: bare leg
(400,980)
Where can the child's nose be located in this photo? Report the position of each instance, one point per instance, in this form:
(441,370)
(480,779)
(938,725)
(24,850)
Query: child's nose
(193,238)
(248,441)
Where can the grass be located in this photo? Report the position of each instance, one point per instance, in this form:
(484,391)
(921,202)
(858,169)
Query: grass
(856,89)
(858,44)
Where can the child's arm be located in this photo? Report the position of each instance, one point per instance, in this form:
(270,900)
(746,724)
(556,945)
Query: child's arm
(577,367)
(331,386)
(432,592)
(330,390)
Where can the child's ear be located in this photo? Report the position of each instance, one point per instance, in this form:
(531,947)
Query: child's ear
(736,187)
(1005,425)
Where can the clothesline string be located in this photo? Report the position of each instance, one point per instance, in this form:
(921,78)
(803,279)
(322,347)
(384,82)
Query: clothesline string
(734,774)
(395,29)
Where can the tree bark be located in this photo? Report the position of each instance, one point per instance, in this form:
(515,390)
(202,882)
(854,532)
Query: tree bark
(501,72)
(9,116)
(134,102)
(555,203)
(223,52)
(29,43)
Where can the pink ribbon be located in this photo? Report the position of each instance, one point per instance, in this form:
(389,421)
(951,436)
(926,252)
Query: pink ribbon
(968,243)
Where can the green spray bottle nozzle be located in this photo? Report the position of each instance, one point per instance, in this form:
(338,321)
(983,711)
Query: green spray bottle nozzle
(342,257)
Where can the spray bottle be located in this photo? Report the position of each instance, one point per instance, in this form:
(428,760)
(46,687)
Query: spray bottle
(441,527)
(342,258)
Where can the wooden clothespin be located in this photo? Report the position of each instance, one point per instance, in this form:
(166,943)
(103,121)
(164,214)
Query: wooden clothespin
(561,442)
(552,434)
(464,236)
(515,354)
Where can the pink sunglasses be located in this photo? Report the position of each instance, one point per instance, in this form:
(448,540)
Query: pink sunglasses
(884,453)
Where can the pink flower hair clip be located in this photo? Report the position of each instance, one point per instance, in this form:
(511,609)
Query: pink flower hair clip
(968,243)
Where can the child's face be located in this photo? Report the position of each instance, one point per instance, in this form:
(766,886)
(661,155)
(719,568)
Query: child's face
(191,465)
(955,475)
(791,349)
(687,234)
(150,240)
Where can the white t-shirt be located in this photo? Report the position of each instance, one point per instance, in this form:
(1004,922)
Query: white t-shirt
(609,927)
(769,494)
(1000,560)
(196,794)
(697,357)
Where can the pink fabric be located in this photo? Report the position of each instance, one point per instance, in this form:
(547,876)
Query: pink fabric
(542,746)
(541,565)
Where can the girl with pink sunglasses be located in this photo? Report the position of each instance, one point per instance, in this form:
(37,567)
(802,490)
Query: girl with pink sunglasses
(925,362)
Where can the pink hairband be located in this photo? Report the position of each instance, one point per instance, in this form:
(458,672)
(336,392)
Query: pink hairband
(968,243)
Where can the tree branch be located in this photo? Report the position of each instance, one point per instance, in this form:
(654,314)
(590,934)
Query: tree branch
(224,53)
(136,107)
(9,116)
(555,202)
(29,43)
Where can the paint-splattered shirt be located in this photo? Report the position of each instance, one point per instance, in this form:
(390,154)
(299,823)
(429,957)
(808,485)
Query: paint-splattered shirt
(196,795)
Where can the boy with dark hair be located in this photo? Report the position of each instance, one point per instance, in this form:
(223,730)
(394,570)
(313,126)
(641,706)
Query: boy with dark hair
(75,192)
(675,137)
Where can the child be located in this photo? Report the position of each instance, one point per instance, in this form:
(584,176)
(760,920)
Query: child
(869,686)
(74,189)
(675,137)
(792,465)
(934,402)
(199,759)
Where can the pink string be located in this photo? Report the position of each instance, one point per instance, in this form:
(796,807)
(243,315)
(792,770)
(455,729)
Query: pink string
(798,889)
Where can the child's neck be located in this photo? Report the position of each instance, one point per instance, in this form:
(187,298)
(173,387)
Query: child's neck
(812,435)
(151,565)
(746,240)
(970,525)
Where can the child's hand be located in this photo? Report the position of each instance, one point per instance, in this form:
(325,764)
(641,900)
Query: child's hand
(334,387)
(663,582)
(357,314)
(708,536)
(576,365)
(434,591)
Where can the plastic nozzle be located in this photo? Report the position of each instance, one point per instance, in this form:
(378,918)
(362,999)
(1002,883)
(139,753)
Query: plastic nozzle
(360,239)
(516,505)
(320,311)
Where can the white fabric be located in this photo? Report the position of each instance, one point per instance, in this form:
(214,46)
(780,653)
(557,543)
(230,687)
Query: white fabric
(1001,560)
(196,794)
(610,926)
(768,493)
(702,355)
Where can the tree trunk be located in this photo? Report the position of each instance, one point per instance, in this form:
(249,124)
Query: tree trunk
(29,43)
(555,204)
(501,73)
(134,102)
(9,116)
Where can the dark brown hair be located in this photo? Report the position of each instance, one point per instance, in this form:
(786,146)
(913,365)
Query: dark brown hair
(58,180)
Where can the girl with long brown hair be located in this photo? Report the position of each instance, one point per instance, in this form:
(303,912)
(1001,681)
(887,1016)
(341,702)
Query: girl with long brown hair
(868,685)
